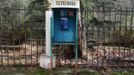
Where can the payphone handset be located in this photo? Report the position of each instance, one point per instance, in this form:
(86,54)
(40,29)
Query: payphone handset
(64,23)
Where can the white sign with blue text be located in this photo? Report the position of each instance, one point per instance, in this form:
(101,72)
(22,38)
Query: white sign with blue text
(65,3)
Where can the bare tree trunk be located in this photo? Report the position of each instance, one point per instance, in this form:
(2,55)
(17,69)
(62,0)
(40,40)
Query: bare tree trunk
(82,35)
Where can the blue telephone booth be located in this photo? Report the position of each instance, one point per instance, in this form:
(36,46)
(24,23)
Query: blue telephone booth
(61,29)
(64,25)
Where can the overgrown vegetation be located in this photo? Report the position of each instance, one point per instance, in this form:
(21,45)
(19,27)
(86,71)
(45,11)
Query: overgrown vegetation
(40,71)
(20,20)
(17,24)
(124,38)
(104,21)
(23,70)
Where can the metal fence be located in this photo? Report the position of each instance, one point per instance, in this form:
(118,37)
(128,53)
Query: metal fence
(106,39)
(109,37)
(21,36)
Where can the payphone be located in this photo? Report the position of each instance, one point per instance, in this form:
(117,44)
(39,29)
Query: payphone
(61,28)
(64,26)
(64,23)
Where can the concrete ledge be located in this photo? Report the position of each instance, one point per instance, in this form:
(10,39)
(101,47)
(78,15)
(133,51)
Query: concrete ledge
(47,62)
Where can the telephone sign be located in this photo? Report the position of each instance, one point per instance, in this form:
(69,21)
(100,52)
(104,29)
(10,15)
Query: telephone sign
(65,4)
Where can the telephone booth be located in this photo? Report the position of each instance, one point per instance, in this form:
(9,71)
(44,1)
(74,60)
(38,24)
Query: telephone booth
(65,25)
(61,29)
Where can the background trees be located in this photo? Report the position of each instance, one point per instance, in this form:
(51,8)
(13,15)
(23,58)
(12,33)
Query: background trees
(20,22)
(20,18)
(90,19)
(108,3)
(9,18)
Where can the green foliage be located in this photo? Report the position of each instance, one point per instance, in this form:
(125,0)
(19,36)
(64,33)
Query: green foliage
(18,70)
(124,37)
(86,4)
(109,4)
(34,18)
(17,35)
(38,71)
(39,5)
(18,25)
(11,19)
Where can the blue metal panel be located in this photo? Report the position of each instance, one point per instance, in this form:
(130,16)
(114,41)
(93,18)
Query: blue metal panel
(65,34)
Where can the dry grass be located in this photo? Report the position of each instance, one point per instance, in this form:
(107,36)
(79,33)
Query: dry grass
(26,54)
